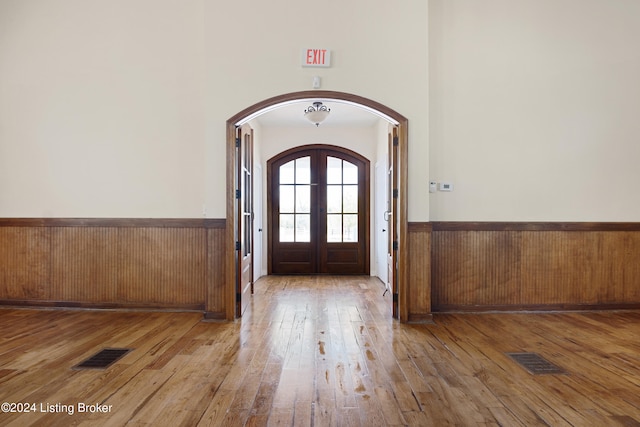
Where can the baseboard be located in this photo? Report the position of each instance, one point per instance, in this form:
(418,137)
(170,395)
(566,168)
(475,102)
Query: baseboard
(98,306)
(420,318)
(214,315)
(454,308)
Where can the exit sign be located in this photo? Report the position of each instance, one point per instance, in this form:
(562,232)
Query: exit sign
(316,57)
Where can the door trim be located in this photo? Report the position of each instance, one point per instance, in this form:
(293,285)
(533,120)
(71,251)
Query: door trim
(231,225)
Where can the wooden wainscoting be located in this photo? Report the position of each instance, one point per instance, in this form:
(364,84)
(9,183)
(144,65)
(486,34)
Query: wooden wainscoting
(113,263)
(419,271)
(179,264)
(535,266)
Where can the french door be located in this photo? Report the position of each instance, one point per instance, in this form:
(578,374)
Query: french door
(318,211)
(244,209)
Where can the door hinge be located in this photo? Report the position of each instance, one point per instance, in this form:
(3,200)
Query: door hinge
(395,297)
(395,245)
(396,141)
(238,246)
(238,141)
(395,193)
(238,296)
(238,194)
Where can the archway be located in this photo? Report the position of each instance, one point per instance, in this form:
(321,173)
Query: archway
(399,141)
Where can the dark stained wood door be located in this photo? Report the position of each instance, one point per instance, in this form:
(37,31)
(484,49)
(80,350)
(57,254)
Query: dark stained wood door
(319,212)
(244,239)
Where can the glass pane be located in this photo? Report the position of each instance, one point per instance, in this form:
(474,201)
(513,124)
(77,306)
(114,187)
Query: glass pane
(334,170)
(350,228)
(247,235)
(350,173)
(286,228)
(303,170)
(350,198)
(287,173)
(247,190)
(286,198)
(303,228)
(334,198)
(334,228)
(247,150)
(303,198)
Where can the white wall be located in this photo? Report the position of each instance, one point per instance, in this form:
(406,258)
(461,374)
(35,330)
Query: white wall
(534,109)
(379,51)
(102,108)
(118,109)
(260,204)
(381,203)
(275,140)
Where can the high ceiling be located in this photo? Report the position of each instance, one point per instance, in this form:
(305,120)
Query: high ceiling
(342,114)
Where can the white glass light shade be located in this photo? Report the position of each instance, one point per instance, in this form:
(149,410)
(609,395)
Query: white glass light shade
(317,113)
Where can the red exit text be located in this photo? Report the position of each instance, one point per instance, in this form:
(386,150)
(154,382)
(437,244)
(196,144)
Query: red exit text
(316,58)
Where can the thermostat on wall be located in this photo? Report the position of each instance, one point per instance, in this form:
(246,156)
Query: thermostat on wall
(445,186)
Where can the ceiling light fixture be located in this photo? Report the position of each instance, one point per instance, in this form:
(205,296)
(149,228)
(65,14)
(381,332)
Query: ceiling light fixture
(316,113)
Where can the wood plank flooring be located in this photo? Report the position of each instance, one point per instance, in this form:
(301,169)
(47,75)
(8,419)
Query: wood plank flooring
(319,351)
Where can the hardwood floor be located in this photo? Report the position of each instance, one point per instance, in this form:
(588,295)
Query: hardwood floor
(320,351)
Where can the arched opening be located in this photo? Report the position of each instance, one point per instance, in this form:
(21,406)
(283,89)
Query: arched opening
(398,189)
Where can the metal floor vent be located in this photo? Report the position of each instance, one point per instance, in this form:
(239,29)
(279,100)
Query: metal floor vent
(536,364)
(103,358)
